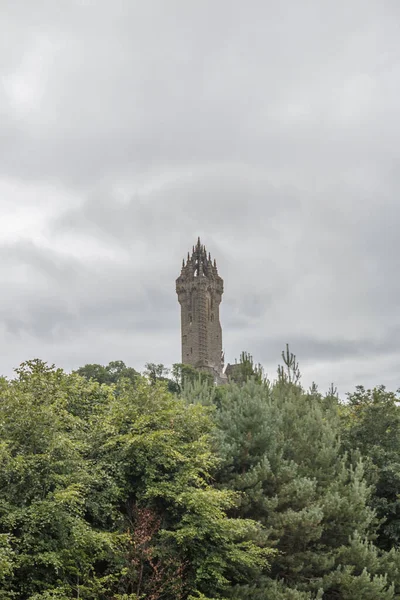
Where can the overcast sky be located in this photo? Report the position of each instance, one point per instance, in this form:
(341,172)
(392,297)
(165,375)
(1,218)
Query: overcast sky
(271,129)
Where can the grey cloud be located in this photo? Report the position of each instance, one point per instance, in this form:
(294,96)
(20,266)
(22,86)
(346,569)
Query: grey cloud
(59,297)
(213,201)
(311,349)
(145,87)
(269,129)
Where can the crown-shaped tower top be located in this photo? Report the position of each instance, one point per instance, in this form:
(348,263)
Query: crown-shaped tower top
(199,264)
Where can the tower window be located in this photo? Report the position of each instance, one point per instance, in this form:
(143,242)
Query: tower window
(190,319)
(191,350)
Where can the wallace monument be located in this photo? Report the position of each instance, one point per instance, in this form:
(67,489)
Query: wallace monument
(199,289)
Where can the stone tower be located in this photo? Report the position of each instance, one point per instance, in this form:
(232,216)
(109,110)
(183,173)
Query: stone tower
(199,289)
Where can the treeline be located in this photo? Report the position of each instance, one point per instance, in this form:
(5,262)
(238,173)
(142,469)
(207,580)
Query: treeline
(116,485)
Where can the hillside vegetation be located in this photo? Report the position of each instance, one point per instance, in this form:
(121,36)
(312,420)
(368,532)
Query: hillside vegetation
(161,486)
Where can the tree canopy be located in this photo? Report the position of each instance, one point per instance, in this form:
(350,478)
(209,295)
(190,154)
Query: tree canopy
(163,486)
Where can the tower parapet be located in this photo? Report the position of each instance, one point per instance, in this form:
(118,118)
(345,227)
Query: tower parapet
(200,288)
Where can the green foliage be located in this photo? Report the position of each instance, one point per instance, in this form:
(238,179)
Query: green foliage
(246,369)
(280,447)
(289,372)
(114,488)
(44,485)
(159,447)
(105,493)
(176,378)
(184,375)
(371,424)
(156,373)
(111,373)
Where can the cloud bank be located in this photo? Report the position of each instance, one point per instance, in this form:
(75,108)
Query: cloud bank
(270,130)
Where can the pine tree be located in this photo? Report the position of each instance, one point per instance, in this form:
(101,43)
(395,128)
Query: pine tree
(280,448)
